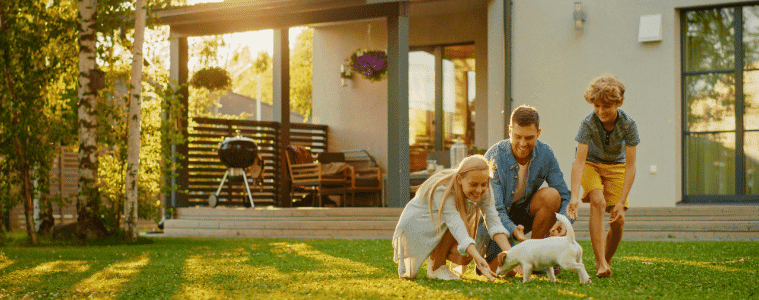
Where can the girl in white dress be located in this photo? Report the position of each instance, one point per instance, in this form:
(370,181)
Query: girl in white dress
(440,222)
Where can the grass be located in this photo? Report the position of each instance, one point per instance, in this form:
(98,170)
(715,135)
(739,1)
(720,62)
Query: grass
(166,268)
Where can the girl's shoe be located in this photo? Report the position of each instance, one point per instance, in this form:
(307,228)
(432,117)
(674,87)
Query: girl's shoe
(442,273)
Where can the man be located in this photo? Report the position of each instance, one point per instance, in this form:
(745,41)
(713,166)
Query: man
(523,163)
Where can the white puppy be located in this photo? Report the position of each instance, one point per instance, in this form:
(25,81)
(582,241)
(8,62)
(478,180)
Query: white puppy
(545,254)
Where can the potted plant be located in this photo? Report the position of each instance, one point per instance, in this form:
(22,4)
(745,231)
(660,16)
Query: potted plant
(372,64)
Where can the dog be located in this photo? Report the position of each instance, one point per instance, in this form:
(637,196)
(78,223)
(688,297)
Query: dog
(545,254)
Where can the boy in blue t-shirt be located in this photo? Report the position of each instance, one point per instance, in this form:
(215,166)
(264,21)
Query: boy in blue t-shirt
(605,166)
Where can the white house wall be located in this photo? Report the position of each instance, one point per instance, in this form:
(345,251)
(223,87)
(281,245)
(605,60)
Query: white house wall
(356,113)
(553,64)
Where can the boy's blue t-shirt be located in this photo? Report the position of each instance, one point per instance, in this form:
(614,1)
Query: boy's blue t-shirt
(608,147)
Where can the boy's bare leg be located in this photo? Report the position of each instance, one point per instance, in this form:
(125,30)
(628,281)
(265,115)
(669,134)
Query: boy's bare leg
(597,228)
(613,238)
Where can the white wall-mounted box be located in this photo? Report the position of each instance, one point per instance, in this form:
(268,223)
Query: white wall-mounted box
(650,28)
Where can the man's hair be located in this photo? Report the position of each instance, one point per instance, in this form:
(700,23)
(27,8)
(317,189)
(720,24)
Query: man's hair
(525,115)
(607,88)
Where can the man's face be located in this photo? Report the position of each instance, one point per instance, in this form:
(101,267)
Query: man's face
(523,139)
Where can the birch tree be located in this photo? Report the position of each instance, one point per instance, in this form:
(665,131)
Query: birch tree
(133,158)
(89,224)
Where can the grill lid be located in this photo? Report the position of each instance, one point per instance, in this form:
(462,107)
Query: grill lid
(238,152)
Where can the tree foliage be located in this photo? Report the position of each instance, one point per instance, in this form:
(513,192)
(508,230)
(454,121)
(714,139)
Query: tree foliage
(38,50)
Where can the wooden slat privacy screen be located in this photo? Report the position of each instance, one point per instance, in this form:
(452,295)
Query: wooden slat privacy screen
(206,170)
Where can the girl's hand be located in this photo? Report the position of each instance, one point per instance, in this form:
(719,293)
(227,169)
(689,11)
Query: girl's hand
(482,265)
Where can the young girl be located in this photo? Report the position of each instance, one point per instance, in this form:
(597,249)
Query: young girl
(605,166)
(440,223)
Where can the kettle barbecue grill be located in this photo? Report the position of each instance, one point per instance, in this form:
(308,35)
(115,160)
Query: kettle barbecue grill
(237,153)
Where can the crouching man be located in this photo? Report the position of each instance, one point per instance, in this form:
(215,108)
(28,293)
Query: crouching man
(523,163)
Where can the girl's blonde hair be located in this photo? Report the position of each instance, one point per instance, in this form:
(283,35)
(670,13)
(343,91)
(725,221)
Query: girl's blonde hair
(448,176)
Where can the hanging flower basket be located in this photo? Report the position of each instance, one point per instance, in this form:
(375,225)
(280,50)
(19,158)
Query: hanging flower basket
(211,78)
(372,64)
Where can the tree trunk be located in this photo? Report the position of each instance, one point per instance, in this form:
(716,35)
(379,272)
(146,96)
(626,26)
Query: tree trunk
(89,224)
(133,144)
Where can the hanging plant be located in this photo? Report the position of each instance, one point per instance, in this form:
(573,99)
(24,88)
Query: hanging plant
(211,78)
(371,64)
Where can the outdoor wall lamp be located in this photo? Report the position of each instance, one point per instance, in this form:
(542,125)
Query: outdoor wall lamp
(579,16)
(345,73)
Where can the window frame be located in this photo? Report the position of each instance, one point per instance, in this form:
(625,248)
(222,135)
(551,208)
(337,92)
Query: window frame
(739,196)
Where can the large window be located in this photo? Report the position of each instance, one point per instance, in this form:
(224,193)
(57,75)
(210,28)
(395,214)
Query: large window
(720,81)
(451,95)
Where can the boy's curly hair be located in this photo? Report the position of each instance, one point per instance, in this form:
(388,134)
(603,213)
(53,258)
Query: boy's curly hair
(608,89)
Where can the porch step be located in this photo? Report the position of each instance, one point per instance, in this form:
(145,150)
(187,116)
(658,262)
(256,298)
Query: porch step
(645,223)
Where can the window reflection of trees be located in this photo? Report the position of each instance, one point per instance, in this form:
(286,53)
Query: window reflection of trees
(709,66)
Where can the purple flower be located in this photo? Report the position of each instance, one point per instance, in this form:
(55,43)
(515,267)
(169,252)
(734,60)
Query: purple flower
(370,62)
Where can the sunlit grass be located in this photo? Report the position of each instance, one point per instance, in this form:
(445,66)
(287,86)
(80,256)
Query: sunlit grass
(107,282)
(353,269)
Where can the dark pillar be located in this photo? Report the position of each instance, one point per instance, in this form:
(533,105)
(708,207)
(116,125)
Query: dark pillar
(397,106)
(439,113)
(281,109)
(507,67)
(181,150)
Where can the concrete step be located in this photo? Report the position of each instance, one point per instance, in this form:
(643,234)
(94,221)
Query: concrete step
(282,225)
(279,233)
(273,212)
(678,223)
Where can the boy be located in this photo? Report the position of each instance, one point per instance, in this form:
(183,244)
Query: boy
(605,170)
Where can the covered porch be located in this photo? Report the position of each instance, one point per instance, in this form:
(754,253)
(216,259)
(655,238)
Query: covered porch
(385,130)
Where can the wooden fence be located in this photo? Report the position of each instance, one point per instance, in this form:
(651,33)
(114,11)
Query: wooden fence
(64,175)
(205,170)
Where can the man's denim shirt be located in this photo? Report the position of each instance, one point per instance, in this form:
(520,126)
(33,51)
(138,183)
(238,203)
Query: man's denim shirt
(543,167)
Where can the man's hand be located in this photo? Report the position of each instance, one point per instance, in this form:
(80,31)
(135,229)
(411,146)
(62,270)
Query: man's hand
(558,229)
(572,209)
(617,214)
(518,233)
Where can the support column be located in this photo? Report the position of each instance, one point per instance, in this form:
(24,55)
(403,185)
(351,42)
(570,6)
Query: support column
(398,106)
(499,89)
(180,75)
(439,113)
(281,107)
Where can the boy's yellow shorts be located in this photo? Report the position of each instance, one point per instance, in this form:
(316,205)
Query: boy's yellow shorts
(608,178)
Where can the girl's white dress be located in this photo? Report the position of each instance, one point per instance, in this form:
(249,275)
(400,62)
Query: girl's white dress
(416,234)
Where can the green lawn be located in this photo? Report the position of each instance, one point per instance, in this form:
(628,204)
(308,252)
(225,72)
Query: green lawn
(164,268)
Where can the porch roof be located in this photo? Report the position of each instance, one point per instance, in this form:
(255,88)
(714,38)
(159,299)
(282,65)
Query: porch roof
(241,15)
